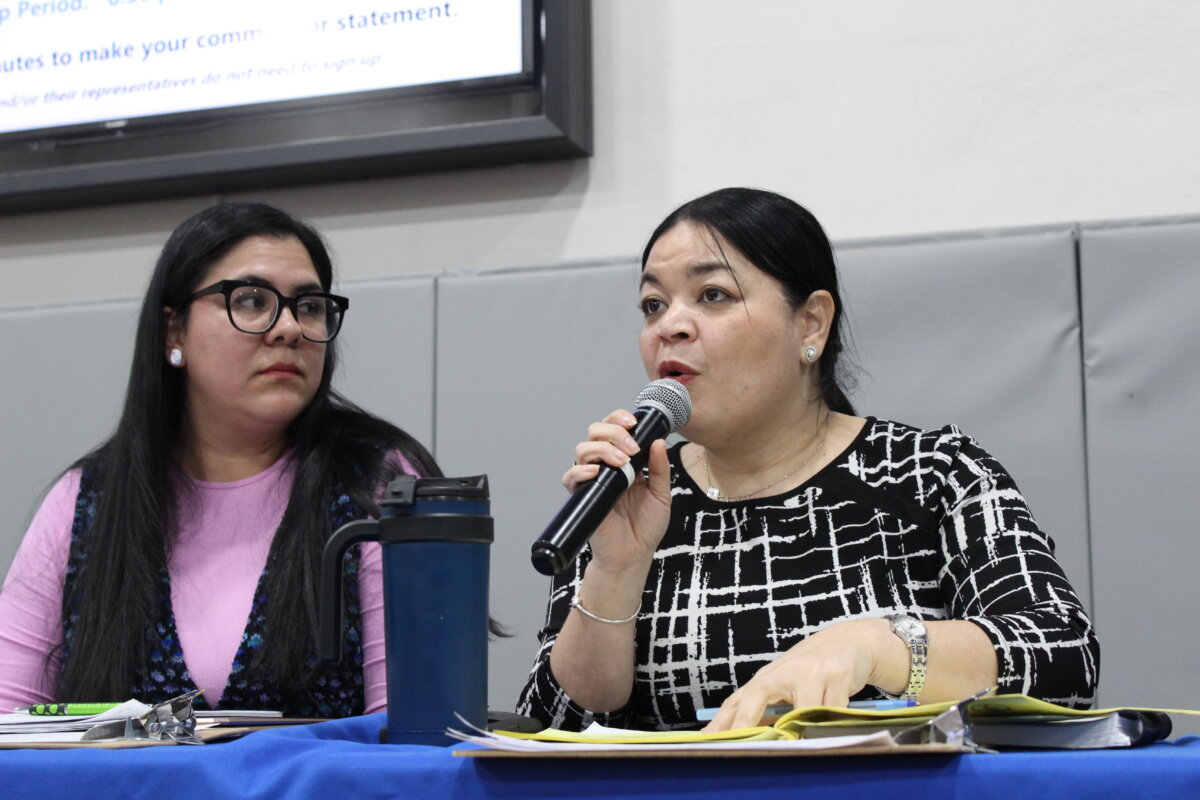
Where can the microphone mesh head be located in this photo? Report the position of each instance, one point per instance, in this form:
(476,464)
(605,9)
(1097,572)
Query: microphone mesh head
(671,397)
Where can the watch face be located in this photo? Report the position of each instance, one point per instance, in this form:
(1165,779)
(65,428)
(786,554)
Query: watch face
(910,626)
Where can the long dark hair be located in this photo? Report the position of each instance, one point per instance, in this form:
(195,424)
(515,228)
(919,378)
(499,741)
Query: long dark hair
(784,240)
(115,597)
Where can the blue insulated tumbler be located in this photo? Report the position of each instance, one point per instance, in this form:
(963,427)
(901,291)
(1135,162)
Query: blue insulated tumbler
(436,534)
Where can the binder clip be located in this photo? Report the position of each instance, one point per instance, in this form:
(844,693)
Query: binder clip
(952,727)
(172,720)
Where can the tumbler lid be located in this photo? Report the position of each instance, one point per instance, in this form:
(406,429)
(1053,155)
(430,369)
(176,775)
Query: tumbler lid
(407,489)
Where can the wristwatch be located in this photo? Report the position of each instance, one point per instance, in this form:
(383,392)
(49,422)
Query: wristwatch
(912,631)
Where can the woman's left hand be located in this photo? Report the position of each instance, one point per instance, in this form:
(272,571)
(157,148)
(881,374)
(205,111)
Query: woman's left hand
(826,669)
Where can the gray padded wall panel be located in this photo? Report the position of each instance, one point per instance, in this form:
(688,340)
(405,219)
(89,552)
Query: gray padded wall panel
(501,373)
(385,350)
(62,381)
(982,331)
(525,362)
(1141,291)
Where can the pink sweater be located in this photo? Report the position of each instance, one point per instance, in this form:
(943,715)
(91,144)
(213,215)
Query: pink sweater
(222,536)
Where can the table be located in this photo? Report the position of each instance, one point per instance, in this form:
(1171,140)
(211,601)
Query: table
(342,759)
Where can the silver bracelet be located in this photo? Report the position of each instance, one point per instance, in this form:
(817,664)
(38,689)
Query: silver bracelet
(577,603)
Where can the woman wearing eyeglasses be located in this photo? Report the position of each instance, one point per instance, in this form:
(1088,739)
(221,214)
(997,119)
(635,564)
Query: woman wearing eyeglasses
(182,553)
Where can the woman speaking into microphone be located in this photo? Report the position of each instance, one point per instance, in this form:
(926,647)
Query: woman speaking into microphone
(791,551)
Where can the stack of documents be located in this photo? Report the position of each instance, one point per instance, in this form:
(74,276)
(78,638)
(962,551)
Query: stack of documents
(21,727)
(132,723)
(1010,720)
(598,739)
(971,725)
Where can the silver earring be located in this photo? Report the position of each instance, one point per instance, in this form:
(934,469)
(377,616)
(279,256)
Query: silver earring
(810,354)
(176,357)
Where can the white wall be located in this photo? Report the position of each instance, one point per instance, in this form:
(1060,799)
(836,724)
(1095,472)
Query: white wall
(884,117)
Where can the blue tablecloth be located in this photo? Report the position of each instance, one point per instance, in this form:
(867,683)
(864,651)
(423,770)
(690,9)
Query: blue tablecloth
(342,759)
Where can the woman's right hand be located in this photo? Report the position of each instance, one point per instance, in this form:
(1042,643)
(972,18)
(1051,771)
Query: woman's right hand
(630,534)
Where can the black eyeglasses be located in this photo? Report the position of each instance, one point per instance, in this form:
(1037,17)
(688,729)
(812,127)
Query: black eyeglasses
(255,308)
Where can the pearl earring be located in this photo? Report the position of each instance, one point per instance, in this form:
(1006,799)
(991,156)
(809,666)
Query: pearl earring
(810,354)
(176,357)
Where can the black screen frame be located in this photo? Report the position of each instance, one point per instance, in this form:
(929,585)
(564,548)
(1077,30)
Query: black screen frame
(434,128)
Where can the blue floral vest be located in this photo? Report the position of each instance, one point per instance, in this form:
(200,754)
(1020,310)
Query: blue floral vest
(334,691)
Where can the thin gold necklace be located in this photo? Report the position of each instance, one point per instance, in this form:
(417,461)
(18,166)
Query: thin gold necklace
(715,494)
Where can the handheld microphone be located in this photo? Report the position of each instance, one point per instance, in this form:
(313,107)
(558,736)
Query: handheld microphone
(663,407)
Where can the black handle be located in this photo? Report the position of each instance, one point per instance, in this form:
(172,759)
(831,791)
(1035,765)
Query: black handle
(558,546)
(565,536)
(329,622)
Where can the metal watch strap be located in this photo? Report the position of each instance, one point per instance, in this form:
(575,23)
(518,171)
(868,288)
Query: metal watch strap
(913,633)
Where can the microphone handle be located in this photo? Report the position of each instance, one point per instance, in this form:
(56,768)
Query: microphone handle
(559,545)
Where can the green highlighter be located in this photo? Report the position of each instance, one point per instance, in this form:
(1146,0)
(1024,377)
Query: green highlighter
(66,709)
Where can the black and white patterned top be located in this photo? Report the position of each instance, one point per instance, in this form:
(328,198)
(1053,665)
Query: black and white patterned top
(904,520)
